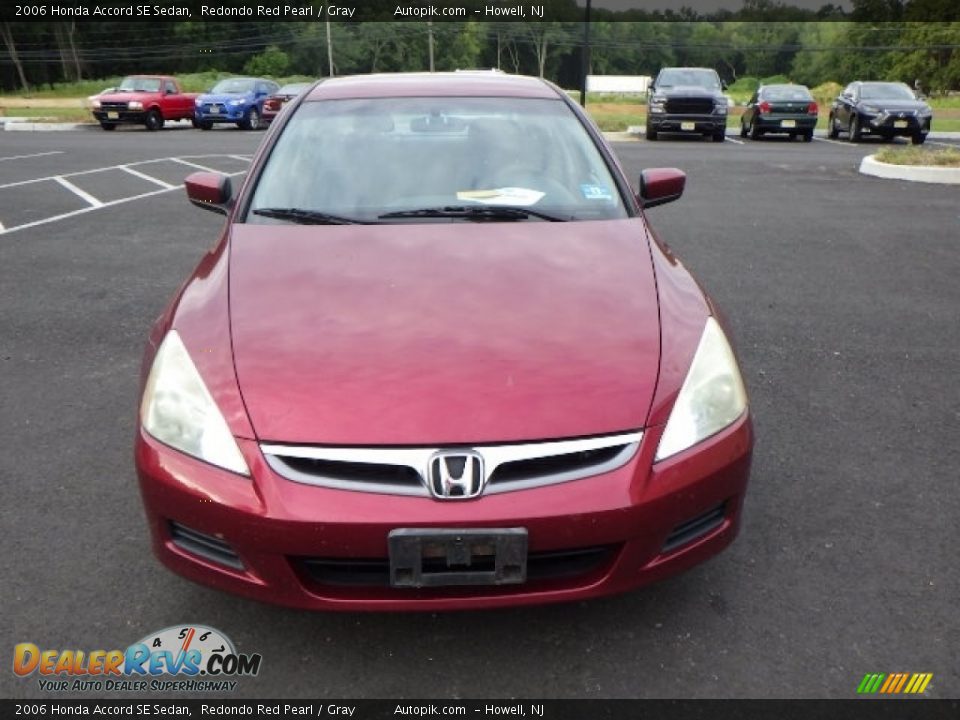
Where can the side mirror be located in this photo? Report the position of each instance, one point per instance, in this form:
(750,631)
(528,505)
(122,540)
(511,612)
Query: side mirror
(659,186)
(210,191)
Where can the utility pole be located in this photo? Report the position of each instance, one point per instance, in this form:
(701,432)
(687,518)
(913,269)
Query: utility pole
(430,41)
(329,51)
(585,57)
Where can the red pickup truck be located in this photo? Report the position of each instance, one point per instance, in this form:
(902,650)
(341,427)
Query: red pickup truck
(148,100)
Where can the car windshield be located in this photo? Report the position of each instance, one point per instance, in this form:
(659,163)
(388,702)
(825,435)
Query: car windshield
(785,92)
(294,89)
(139,84)
(886,91)
(690,78)
(233,86)
(438,158)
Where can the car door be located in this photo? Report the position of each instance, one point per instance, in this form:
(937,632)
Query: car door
(262,91)
(751,109)
(172,100)
(845,105)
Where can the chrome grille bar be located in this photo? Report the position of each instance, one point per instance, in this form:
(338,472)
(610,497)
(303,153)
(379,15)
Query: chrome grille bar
(418,458)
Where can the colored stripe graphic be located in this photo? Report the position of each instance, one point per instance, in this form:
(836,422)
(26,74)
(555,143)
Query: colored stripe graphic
(894,683)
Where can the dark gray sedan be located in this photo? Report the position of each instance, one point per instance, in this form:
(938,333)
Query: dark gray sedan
(784,109)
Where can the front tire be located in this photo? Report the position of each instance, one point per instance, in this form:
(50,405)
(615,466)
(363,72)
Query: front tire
(205,124)
(833,132)
(108,126)
(154,121)
(755,132)
(918,139)
(720,136)
(651,133)
(856,132)
(251,120)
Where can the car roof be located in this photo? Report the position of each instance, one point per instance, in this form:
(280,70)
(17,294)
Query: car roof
(684,67)
(450,84)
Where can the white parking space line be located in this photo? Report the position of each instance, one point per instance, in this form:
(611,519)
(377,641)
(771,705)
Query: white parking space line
(82,211)
(245,158)
(738,142)
(834,142)
(191,164)
(144,176)
(82,194)
(32,155)
(941,144)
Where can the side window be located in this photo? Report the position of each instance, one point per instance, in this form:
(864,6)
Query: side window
(169,87)
(849,90)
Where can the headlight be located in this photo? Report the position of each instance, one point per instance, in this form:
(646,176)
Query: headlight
(721,106)
(711,398)
(872,109)
(95,104)
(925,111)
(135,105)
(235,103)
(177,409)
(198,102)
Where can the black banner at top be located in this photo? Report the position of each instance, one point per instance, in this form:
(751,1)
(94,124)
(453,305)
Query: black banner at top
(514,11)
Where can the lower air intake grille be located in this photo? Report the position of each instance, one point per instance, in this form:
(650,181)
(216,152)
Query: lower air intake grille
(375,572)
(205,546)
(695,528)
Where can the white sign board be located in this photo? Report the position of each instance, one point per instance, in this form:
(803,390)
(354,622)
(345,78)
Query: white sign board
(618,83)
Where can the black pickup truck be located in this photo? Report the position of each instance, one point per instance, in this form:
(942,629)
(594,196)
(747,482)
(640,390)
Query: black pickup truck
(687,100)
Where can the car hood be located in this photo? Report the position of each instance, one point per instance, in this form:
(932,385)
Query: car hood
(895,105)
(443,333)
(126,96)
(223,97)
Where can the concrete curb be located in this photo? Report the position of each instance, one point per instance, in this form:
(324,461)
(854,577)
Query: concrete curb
(913,173)
(26,126)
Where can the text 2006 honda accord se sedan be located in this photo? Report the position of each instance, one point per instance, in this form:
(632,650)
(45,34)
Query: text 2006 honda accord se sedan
(438,360)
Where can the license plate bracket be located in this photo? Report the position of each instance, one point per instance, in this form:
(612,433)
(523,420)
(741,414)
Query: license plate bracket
(439,557)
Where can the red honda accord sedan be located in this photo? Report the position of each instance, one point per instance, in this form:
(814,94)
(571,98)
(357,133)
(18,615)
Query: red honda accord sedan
(438,360)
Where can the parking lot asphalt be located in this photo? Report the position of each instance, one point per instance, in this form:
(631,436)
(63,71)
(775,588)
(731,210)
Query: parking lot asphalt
(843,296)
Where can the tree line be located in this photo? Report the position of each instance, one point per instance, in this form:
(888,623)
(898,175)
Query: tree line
(915,41)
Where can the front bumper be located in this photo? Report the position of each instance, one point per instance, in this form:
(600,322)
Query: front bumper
(220,113)
(700,124)
(137,117)
(640,523)
(890,125)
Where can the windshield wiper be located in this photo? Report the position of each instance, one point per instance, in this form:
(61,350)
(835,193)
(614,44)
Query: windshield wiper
(480,212)
(307,217)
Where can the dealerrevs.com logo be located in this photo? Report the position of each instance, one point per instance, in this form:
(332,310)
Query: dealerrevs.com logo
(197,657)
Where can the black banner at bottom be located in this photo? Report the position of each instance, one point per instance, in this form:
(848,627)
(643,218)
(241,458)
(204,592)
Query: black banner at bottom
(853,709)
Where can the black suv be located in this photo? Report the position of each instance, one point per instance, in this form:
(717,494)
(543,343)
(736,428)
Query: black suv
(687,100)
(884,109)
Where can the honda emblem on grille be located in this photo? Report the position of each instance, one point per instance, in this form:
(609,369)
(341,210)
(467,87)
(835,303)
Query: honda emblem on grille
(455,475)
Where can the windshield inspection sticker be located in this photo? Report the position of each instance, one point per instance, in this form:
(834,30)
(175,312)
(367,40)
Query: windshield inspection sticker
(595,192)
(502,196)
